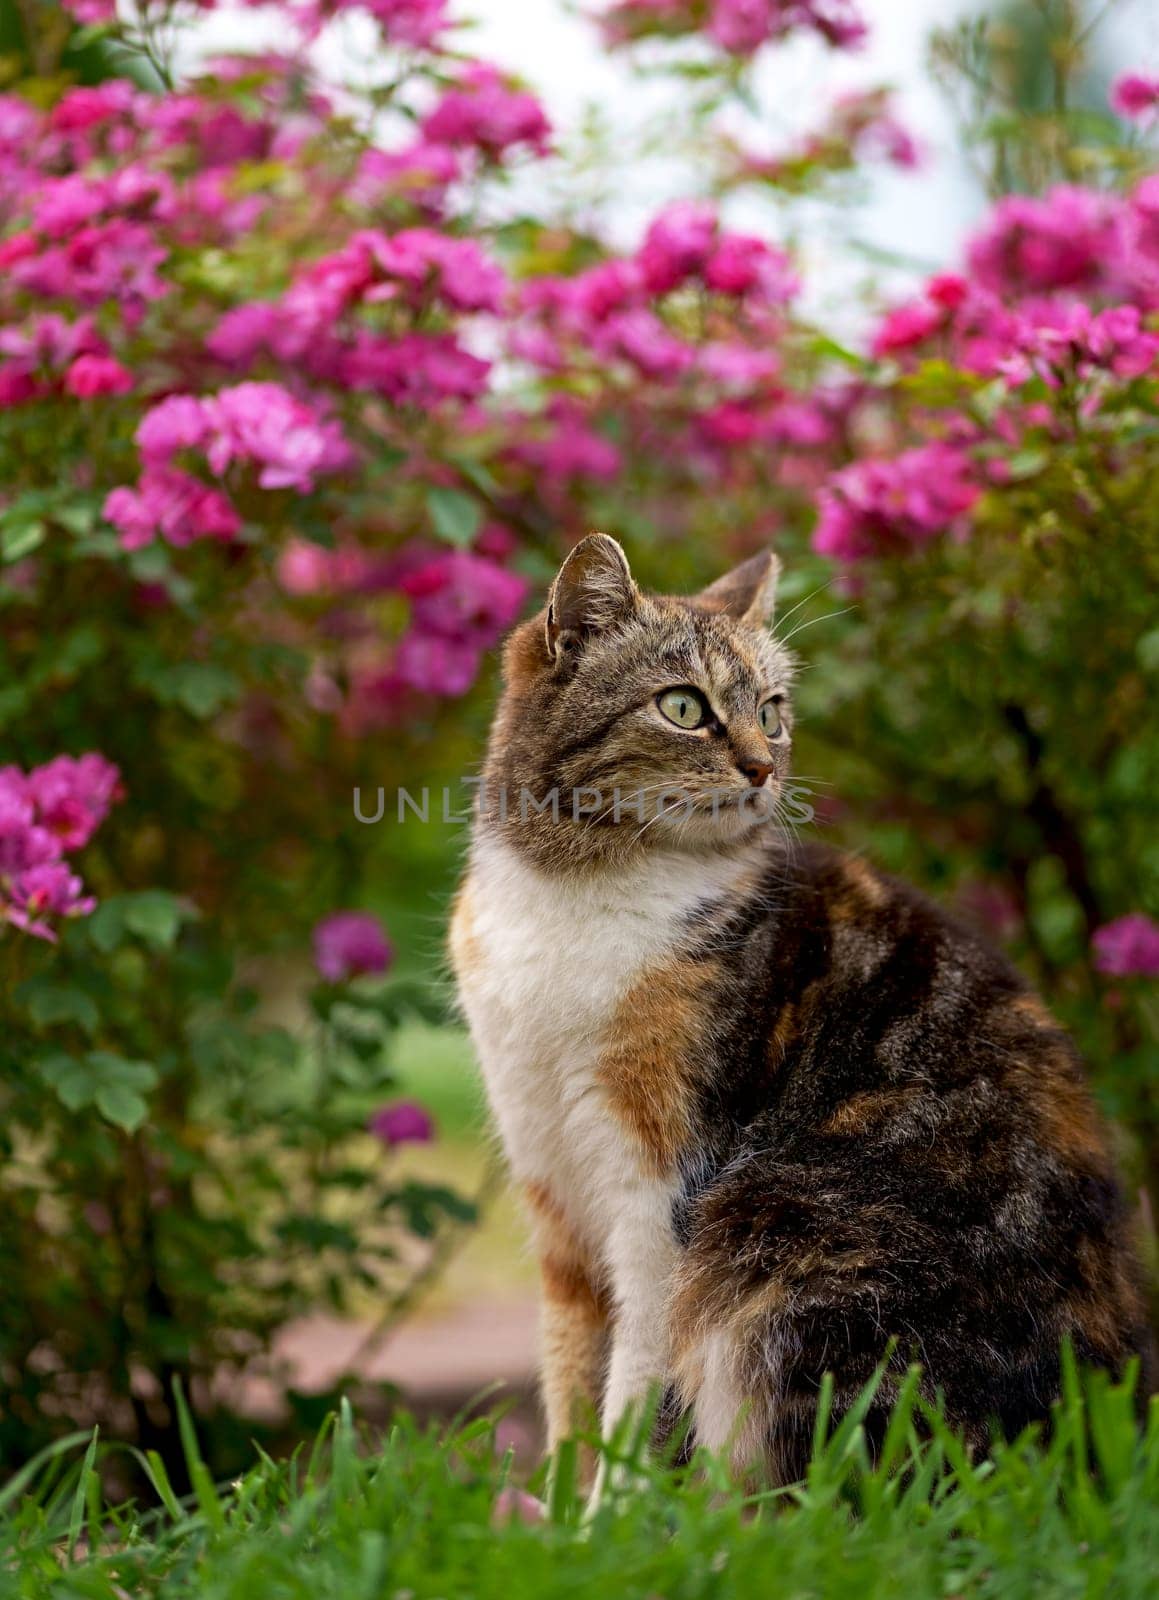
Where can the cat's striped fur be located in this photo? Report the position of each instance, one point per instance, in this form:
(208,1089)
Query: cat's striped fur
(770,1109)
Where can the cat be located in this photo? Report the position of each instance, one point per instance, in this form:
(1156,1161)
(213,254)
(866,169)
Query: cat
(774,1114)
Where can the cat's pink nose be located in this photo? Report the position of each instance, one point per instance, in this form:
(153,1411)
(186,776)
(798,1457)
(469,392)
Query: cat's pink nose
(755,771)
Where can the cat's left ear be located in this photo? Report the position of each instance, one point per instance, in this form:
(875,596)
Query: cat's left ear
(746,594)
(592,590)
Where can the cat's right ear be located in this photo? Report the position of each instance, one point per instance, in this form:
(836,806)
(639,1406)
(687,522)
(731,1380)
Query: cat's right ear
(593,589)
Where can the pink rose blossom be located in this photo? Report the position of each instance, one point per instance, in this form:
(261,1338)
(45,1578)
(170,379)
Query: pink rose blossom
(178,423)
(243,333)
(257,422)
(18,386)
(424,370)
(1135,96)
(569,448)
(90,376)
(90,12)
(72,796)
(876,505)
(178,507)
(743,265)
(457,269)
(948,290)
(435,664)
(1128,947)
(641,338)
(44,813)
(465,596)
(83,109)
(414,22)
(485,113)
(1069,238)
(304,568)
(905,326)
(677,244)
(422,172)
(286,439)
(404,1122)
(350,944)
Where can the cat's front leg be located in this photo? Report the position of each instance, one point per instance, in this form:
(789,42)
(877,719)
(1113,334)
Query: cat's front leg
(574,1319)
(642,1254)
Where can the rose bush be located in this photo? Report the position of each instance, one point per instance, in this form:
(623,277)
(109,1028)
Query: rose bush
(297,403)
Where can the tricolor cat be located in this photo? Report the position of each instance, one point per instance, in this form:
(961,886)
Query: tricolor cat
(770,1110)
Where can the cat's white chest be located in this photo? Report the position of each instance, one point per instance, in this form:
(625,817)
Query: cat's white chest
(542,965)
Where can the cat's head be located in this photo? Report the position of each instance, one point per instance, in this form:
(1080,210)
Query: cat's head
(631,721)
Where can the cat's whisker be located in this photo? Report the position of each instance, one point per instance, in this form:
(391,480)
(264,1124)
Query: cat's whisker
(812,595)
(810,621)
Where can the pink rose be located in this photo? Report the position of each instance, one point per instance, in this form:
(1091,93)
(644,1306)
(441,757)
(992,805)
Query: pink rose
(1128,947)
(348,944)
(90,376)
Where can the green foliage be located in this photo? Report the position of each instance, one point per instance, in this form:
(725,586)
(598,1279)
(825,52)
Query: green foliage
(415,1513)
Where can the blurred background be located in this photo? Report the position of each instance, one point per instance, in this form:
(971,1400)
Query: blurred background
(326,329)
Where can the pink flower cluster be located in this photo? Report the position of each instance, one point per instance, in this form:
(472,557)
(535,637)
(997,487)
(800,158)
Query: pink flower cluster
(172,504)
(91,12)
(461,604)
(739,27)
(44,814)
(484,112)
(1056,341)
(413,22)
(47,356)
(607,310)
(315,323)
(1128,947)
(262,424)
(878,506)
(1073,239)
(1047,337)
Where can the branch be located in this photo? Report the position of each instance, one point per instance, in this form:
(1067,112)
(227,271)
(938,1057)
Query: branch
(1059,833)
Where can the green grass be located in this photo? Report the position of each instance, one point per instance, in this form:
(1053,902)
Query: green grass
(411,1516)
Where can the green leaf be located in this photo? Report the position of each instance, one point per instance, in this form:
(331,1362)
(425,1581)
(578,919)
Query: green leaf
(122,1106)
(155,916)
(72,1080)
(119,1069)
(21,538)
(51,1003)
(113,1083)
(1026,464)
(456,516)
(119,1088)
(477,473)
(1147,651)
(822,345)
(199,687)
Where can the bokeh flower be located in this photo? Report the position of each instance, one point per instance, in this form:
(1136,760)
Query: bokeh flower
(45,813)
(404,1122)
(1128,947)
(350,944)
(1135,95)
(880,505)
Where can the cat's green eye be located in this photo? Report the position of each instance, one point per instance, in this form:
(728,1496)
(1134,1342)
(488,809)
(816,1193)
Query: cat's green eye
(770,715)
(684,707)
